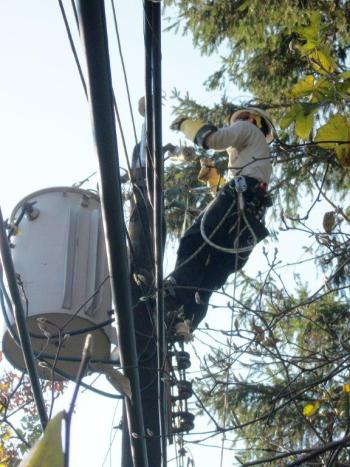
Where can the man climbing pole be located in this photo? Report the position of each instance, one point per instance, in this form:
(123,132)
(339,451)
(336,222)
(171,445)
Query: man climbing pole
(221,239)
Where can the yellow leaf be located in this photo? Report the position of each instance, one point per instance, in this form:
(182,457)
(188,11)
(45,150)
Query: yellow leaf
(321,62)
(47,452)
(309,87)
(120,382)
(4,387)
(346,388)
(330,135)
(311,408)
(304,124)
(303,87)
(7,435)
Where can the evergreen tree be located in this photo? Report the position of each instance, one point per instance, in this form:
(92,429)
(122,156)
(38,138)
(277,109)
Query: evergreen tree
(279,382)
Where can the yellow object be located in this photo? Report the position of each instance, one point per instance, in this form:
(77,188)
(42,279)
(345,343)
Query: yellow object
(310,409)
(119,381)
(208,174)
(346,388)
(191,127)
(335,135)
(47,452)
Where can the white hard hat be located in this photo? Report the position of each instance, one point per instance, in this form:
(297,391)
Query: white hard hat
(258,113)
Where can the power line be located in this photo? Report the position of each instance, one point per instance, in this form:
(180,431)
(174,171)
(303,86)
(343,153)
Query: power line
(123,68)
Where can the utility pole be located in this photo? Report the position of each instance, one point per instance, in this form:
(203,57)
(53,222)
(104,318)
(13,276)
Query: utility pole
(142,284)
(146,240)
(93,30)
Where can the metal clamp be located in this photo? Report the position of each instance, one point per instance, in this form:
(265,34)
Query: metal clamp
(240,184)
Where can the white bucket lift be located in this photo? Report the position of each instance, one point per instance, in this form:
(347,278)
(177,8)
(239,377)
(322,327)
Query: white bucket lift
(59,256)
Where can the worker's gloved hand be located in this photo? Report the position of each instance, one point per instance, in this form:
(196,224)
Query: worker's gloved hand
(207,170)
(208,174)
(176,124)
(195,130)
(207,162)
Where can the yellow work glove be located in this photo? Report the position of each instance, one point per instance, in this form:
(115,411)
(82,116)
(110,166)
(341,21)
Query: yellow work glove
(195,130)
(208,174)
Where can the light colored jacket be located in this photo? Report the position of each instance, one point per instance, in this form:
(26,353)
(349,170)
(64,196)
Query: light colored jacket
(247,149)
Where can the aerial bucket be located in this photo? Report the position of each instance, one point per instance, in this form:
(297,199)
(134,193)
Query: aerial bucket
(59,256)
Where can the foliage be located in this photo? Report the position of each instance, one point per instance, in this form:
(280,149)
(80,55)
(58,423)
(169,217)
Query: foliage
(185,195)
(297,384)
(254,41)
(279,380)
(19,422)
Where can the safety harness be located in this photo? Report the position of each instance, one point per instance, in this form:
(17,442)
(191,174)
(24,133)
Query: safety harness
(252,198)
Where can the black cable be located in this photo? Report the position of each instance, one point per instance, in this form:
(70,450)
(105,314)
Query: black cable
(76,359)
(21,324)
(73,48)
(152,32)
(77,332)
(71,42)
(123,67)
(86,386)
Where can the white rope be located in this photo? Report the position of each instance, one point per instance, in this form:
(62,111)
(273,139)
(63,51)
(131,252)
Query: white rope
(219,247)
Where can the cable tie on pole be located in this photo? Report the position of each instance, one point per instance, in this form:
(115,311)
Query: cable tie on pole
(144,298)
(44,365)
(65,337)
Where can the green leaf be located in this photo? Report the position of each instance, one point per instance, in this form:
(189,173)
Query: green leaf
(321,61)
(344,75)
(303,125)
(303,116)
(322,87)
(244,6)
(310,32)
(336,129)
(290,117)
(303,87)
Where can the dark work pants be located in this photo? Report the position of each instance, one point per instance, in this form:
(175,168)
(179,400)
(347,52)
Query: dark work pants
(200,268)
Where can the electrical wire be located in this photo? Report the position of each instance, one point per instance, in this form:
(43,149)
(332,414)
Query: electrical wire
(71,42)
(123,68)
(114,100)
(242,211)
